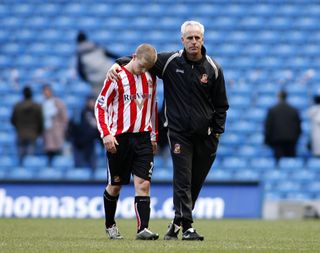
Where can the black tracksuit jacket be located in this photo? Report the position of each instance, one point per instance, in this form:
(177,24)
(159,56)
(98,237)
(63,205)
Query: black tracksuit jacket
(194,91)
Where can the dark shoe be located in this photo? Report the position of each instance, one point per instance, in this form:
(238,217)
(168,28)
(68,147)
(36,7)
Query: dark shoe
(192,235)
(146,234)
(113,233)
(172,233)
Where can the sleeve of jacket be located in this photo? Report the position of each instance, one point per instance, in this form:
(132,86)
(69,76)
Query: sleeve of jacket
(221,104)
(123,60)
(157,68)
(154,118)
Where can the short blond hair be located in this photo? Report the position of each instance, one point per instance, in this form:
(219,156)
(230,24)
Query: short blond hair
(148,53)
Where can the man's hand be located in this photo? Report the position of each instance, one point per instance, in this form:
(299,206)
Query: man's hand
(154,147)
(110,143)
(112,73)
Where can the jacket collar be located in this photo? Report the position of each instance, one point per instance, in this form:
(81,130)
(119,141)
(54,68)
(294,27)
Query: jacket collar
(203,52)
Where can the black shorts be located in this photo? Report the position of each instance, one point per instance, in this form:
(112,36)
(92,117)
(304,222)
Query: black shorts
(134,156)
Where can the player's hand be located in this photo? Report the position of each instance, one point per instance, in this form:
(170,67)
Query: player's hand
(112,73)
(110,143)
(154,147)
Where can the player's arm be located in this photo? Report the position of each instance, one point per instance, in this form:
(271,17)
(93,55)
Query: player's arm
(103,103)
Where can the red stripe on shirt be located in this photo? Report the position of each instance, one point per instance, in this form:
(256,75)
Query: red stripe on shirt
(120,108)
(133,106)
(145,90)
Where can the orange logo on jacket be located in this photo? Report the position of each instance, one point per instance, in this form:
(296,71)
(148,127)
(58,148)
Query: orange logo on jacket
(204,78)
(177,148)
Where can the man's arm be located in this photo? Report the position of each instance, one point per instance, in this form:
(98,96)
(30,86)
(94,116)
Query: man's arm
(154,122)
(156,70)
(154,115)
(104,101)
(221,104)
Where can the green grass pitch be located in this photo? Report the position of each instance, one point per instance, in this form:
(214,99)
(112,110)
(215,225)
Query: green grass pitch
(87,235)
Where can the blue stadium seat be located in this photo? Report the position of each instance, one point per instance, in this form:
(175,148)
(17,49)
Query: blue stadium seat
(8,162)
(78,174)
(265,102)
(256,114)
(2,174)
(162,174)
(63,162)
(262,164)
(248,151)
(234,163)
(285,186)
(100,174)
(274,176)
(304,176)
(279,23)
(35,162)
(17,173)
(299,196)
(5,113)
(233,114)
(256,139)
(49,174)
(225,151)
(219,175)
(232,139)
(246,175)
(273,195)
(313,164)
(314,187)
(244,127)
(300,102)
(291,164)
(254,22)
(158,161)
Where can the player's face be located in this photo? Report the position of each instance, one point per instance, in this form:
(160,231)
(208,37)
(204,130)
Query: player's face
(140,65)
(192,41)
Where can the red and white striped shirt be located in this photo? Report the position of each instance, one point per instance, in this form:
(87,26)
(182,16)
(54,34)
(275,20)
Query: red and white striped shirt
(128,105)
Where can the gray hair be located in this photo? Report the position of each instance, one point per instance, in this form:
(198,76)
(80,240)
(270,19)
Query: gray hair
(191,22)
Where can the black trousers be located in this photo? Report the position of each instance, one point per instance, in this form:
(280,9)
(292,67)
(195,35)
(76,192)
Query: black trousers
(284,149)
(192,158)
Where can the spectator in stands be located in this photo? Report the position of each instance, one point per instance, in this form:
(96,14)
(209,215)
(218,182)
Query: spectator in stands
(314,115)
(282,128)
(92,61)
(55,123)
(196,107)
(84,135)
(27,118)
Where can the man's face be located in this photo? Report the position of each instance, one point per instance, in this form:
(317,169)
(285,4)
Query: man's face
(47,92)
(140,65)
(192,40)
